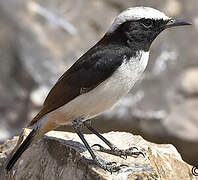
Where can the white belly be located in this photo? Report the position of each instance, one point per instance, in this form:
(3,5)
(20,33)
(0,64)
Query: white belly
(105,95)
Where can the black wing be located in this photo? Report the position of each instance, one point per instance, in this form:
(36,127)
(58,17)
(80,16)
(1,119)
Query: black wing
(85,74)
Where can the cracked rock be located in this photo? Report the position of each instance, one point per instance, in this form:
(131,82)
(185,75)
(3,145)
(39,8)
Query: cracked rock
(61,155)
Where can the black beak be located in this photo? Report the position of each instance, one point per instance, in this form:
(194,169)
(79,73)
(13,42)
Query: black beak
(177,22)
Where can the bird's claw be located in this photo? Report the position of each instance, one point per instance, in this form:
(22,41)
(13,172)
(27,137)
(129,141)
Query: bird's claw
(101,148)
(119,152)
(131,152)
(108,166)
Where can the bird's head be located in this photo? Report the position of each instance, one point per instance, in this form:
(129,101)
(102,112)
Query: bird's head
(139,26)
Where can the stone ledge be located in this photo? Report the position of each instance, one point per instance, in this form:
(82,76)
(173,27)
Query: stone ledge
(61,155)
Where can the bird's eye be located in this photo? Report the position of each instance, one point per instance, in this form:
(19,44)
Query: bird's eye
(147,23)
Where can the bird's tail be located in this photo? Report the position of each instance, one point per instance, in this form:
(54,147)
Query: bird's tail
(12,160)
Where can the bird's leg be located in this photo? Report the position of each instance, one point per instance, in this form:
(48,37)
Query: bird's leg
(108,166)
(132,151)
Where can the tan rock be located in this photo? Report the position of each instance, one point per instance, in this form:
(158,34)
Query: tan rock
(189,81)
(59,155)
(173,7)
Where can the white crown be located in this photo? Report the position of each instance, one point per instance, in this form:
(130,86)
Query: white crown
(135,14)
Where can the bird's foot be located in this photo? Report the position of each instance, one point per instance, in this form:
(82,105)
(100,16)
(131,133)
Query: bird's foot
(108,166)
(132,151)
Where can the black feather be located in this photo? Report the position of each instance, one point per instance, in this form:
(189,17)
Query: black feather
(20,150)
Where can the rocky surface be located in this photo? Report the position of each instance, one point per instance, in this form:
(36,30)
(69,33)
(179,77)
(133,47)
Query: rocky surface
(61,155)
(39,40)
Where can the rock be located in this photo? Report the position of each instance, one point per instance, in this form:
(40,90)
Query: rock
(180,126)
(61,155)
(189,82)
(173,8)
(38,95)
(15,82)
(41,39)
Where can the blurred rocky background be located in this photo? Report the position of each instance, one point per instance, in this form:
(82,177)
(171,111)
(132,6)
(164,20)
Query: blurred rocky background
(39,40)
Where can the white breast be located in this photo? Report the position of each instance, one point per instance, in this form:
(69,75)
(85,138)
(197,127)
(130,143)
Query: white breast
(108,92)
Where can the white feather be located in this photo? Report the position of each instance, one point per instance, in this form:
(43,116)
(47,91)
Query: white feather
(104,96)
(135,14)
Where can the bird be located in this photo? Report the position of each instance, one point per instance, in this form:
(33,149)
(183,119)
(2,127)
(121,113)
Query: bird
(99,79)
